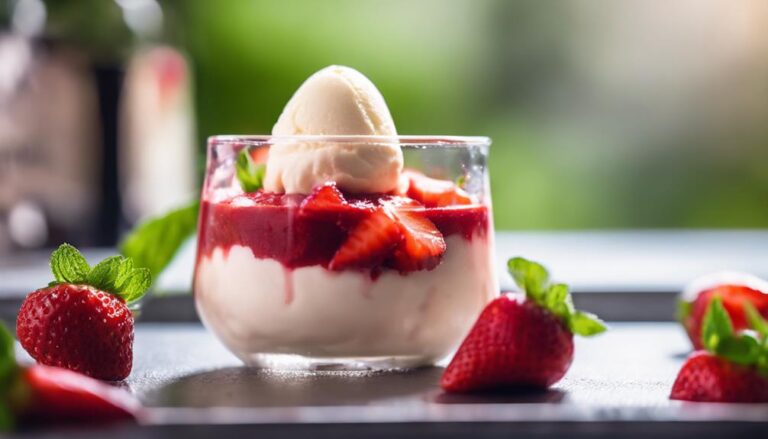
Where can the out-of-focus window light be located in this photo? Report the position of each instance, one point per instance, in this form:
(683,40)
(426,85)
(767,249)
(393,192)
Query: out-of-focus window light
(28,17)
(143,17)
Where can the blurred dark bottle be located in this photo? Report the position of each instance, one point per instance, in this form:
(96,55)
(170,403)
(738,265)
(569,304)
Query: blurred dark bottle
(79,143)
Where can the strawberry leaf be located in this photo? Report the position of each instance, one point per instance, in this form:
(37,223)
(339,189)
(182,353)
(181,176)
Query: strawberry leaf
(155,242)
(558,300)
(684,309)
(68,265)
(744,349)
(249,174)
(585,324)
(717,325)
(115,274)
(136,284)
(756,321)
(533,278)
(104,274)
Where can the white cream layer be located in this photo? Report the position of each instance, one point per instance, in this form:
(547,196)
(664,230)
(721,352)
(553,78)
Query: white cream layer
(259,306)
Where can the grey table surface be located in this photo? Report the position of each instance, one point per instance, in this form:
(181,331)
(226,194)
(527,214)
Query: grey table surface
(618,384)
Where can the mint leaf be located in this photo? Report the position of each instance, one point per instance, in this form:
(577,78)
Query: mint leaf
(717,325)
(684,310)
(744,349)
(104,274)
(531,276)
(558,300)
(8,367)
(249,174)
(585,324)
(117,275)
(756,320)
(154,243)
(68,265)
(6,417)
(136,284)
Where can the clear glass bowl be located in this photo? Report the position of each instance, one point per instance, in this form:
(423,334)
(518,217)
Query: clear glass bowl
(263,286)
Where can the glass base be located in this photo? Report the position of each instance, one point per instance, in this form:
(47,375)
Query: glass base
(302,363)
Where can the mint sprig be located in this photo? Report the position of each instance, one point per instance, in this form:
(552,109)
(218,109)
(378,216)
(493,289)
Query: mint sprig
(155,242)
(116,274)
(8,373)
(248,172)
(533,279)
(748,348)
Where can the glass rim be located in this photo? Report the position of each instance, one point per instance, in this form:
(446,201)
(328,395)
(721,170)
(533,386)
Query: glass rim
(425,141)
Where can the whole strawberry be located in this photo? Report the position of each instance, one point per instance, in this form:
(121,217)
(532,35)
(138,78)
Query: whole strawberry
(734,289)
(521,341)
(734,366)
(81,321)
(45,393)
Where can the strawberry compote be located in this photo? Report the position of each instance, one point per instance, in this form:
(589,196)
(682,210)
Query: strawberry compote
(343,280)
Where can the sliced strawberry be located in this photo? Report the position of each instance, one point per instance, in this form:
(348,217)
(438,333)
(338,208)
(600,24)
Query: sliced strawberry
(369,242)
(734,297)
(432,192)
(59,394)
(422,246)
(323,197)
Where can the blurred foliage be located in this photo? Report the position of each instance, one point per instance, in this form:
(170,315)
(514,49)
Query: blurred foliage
(584,136)
(603,114)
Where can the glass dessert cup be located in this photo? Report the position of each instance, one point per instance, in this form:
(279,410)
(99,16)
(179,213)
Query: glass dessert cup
(264,287)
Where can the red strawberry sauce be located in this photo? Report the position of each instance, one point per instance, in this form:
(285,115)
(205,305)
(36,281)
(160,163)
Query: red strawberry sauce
(274,226)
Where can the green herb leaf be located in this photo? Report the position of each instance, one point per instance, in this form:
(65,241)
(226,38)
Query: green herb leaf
(6,417)
(68,265)
(717,325)
(104,274)
(117,275)
(7,359)
(586,324)
(249,174)
(684,309)
(531,276)
(154,243)
(744,349)
(136,284)
(558,300)
(756,320)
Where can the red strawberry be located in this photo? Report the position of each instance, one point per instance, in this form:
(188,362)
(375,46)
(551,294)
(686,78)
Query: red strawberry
(81,322)
(323,197)
(79,328)
(734,297)
(514,343)
(368,243)
(706,377)
(432,192)
(521,342)
(46,393)
(422,246)
(53,393)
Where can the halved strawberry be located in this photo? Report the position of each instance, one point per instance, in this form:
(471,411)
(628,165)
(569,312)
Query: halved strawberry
(422,246)
(323,197)
(369,242)
(432,192)
(733,297)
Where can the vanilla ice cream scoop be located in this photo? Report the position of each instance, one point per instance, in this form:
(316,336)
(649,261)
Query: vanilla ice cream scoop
(336,100)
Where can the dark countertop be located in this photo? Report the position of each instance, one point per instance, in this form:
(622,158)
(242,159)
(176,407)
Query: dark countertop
(618,384)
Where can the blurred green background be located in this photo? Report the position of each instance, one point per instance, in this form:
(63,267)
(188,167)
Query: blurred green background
(604,114)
